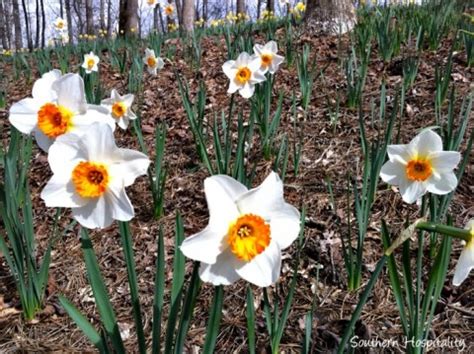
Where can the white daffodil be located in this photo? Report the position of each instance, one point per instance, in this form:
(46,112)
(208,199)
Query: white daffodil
(152,3)
(91,62)
(243,74)
(120,108)
(90,174)
(269,59)
(421,166)
(246,232)
(466,260)
(152,62)
(60,24)
(58,106)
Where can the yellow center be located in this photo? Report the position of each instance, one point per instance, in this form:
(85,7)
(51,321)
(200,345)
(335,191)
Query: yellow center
(90,179)
(266,59)
(169,10)
(419,170)
(243,75)
(248,236)
(54,120)
(118,109)
(60,25)
(90,63)
(151,62)
(151,2)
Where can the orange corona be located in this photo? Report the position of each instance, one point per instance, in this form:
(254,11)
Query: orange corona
(151,62)
(248,236)
(419,170)
(54,120)
(90,179)
(266,59)
(243,75)
(118,109)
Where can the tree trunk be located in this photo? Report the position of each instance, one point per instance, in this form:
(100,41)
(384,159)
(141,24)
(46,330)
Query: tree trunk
(3,32)
(271,5)
(259,6)
(61,9)
(128,17)
(89,17)
(8,27)
(204,10)
(77,6)
(188,15)
(38,26)
(102,15)
(179,11)
(43,24)
(27,26)
(17,25)
(337,15)
(241,7)
(67,5)
(109,18)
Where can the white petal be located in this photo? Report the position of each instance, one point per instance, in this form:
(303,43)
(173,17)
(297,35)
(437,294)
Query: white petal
(127,99)
(42,140)
(400,153)
(70,91)
(465,264)
(257,49)
(264,269)
(258,76)
(221,193)
(222,272)
(272,47)
(445,184)
(24,115)
(285,225)
(255,63)
(412,191)
(128,165)
(43,90)
(97,213)
(66,152)
(426,142)
(247,91)
(61,193)
(391,172)
(229,69)
(233,86)
(120,205)
(263,200)
(445,161)
(243,59)
(276,62)
(205,246)
(160,63)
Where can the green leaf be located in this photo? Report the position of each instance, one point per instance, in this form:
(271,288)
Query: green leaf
(214,320)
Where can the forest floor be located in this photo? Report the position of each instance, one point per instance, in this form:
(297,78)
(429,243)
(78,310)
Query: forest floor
(327,153)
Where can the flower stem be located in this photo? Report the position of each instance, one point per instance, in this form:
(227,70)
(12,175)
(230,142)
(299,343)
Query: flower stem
(445,230)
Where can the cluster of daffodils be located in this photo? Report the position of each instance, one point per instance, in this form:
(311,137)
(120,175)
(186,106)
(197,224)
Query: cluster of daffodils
(102,33)
(91,63)
(298,10)
(267,16)
(7,52)
(173,27)
(217,23)
(86,36)
(249,70)
(200,22)
(246,233)
(90,172)
(152,62)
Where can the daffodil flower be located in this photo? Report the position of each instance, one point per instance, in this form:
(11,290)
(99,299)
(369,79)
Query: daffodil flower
(246,232)
(58,106)
(270,60)
(120,108)
(90,63)
(60,24)
(152,62)
(152,3)
(169,10)
(421,166)
(243,74)
(466,260)
(90,174)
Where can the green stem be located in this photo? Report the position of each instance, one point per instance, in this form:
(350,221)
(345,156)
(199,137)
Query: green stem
(451,231)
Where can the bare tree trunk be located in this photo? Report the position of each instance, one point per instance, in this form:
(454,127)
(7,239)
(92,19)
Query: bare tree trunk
(67,4)
(128,17)
(43,24)
(188,15)
(179,11)
(259,6)
(38,26)
(3,31)
(337,14)
(102,15)
(77,6)
(17,24)
(89,17)
(271,5)
(109,18)
(162,21)
(8,27)
(27,26)
(61,9)
(241,6)
(204,10)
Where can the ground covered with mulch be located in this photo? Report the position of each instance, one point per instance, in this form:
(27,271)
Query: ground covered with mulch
(328,153)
